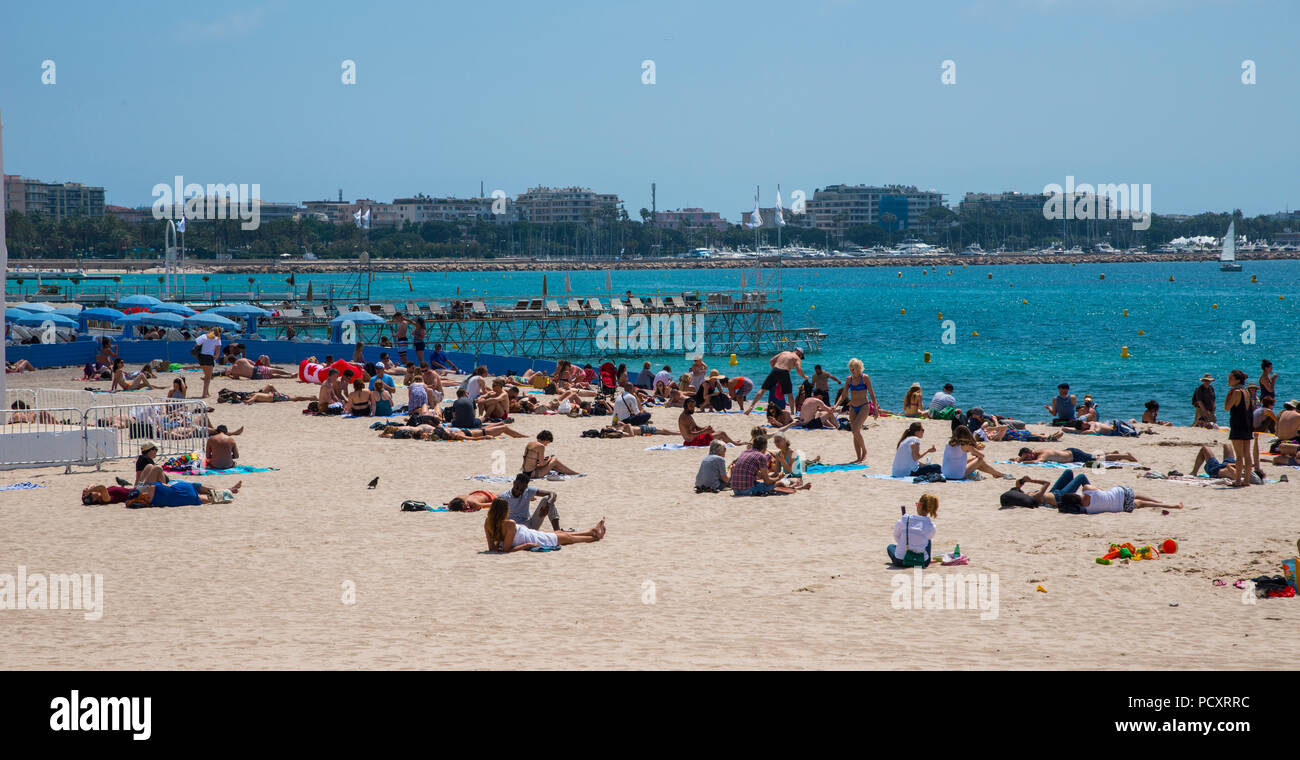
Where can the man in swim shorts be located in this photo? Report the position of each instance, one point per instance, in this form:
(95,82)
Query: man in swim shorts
(180,493)
(779,377)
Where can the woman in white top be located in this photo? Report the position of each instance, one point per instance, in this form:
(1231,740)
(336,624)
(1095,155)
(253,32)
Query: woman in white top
(907,459)
(505,535)
(963,458)
(914,534)
(209,346)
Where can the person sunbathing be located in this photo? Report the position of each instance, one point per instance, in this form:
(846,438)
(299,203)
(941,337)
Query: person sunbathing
(538,464)
(22,365)
(505,535)
(627,430)
(1227,467)
(778,416)
(471,502)
(245,369)
(132,381)
(693,434)
(28,417)
(269,395)
(1008,433)
(1114,427)
(1070,456)
(815,414)
(98,493)
(1288,455)
(1073,494)
(180,493)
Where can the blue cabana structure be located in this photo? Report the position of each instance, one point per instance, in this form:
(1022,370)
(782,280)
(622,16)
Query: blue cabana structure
(247,312)
(102,314)
(353,317)
(146,318)
(138,301)
(208,319)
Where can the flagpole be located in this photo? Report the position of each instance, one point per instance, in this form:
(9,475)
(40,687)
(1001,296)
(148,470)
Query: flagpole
(4,255)
(778,213)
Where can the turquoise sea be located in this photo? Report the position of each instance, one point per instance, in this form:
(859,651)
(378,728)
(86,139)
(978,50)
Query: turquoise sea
(1071,329)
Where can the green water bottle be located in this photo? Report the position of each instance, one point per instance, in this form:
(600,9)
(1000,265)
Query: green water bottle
(956,552)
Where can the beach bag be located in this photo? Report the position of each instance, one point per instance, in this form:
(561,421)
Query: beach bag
(946,413)
(591,434)
(1289,567)
(410,505)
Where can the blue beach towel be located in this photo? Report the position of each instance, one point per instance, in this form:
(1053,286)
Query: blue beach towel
(24,486)
(240,470)
(818,469)
(545,549)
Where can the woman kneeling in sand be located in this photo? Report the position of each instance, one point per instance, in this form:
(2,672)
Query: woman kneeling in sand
(505,535)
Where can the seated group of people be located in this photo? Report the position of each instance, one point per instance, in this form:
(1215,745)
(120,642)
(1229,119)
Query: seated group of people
(756,471)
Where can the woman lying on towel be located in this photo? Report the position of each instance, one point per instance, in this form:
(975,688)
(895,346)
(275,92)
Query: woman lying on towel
(505,535)
(442,432)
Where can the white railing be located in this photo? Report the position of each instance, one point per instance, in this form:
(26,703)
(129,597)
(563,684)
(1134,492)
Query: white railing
(47,437)
(61,398)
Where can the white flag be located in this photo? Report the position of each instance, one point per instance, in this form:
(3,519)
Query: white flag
(180,224)
(366,218)
(356,217)
(755,219)
(780,220)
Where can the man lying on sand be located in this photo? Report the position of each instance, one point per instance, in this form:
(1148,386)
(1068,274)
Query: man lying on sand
(244,369)
(1070,456)
(1227,467)
(270,395)
(180,493)
(440,432)
(1073,494)
(505,535)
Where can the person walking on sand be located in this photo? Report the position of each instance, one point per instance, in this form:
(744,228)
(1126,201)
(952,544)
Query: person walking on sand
(779,377)
(208,346)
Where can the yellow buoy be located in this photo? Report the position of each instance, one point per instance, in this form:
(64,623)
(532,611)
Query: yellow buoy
(900,274)
(990,275)
(1281,298)
(1171,278)
(1103,277)
(733,361)
(1126,312)
(940,316)
(974,333)
(1142,332)
(1024,300)
(1214,306)
(1123,352)
(455,347)
(927,357)
(902,311)
(1253,278)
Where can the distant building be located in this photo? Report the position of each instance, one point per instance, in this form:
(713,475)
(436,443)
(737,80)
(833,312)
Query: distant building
(422,208)
(1002,202)
(836,208)
(51,199)
(550,205)
(689,219)
(130,215)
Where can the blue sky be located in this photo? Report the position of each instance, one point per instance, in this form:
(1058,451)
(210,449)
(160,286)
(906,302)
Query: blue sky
(518,94)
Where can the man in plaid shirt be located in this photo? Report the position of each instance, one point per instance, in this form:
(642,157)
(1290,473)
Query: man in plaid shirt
(751,472)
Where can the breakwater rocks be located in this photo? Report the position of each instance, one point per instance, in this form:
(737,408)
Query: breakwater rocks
(257,267)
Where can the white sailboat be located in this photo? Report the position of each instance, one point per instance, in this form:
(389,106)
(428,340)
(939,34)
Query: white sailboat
(1228,256)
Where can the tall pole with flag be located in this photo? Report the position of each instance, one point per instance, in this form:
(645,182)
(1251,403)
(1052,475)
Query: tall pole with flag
(779,218)
(755,219)
(180,227)
(4,254)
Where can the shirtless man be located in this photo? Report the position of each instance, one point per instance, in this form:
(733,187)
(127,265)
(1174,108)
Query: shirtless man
(330,391)
(692,433)
(471,502)
(781,364)
(1088,499)
(180,493)
(246,369)
(815,415)
(402,326)
(1288,426)
(494,404)
(821,383)
(222,451)
(1070,456)
(1216,468)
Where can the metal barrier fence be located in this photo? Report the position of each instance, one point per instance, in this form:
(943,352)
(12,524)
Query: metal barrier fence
(69,436)
(66,398)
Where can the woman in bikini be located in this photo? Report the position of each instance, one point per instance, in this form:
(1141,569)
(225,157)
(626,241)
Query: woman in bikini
(361,401)
(861,399)
(913,402)
(538,464)
(503,535)
(134,382)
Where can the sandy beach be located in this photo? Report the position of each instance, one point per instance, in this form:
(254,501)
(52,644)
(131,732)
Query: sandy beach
(681,581)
